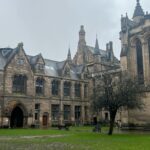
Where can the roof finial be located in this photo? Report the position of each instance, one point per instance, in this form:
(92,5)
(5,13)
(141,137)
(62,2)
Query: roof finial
(138,1)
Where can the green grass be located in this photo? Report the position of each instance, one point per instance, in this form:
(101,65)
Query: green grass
(78,138)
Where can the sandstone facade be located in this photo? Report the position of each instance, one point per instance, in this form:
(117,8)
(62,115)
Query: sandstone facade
(135,58)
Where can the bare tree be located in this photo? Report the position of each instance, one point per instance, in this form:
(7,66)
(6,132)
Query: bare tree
(115,91)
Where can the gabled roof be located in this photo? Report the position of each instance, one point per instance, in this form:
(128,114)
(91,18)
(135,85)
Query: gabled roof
(6,55)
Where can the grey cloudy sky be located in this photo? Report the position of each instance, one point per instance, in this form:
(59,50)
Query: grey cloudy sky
(49,26)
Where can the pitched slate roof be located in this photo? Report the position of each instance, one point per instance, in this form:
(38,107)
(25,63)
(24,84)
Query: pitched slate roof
(5,56)
(55,68)
(52,68)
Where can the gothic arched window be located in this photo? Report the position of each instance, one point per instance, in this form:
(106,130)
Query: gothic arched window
(140,72)
(19,84)
(55,87)
(67,87)
(39,86)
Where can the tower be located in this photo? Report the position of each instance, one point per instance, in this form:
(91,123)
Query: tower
(109,49)
(138,13)
(82,41)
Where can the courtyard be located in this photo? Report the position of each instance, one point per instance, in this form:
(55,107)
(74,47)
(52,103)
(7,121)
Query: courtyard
(77,138)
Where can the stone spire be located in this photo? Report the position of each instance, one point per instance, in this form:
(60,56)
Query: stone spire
(69,55)
(138,10)
(96,49)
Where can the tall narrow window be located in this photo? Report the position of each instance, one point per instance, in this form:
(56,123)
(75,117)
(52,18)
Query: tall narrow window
(37,112)
(77,90)
(67,112)
(139,62)
(86,112)
(85,91)
(55,112)
(39,86)
(19,84)
(55,87)
(77,113)
(67,88)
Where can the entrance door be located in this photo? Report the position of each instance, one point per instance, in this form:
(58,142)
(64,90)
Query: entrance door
(45,120)
(16,120)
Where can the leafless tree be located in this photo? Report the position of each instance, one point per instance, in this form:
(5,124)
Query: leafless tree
(115,91)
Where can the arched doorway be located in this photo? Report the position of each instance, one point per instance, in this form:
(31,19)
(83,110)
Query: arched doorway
(17,117)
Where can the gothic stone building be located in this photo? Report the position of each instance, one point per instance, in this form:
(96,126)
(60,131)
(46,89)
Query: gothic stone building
(43,92)
(135,58)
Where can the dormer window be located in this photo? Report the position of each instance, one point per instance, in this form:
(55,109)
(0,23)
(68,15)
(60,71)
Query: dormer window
(41,66)
(67,72)
(20,61)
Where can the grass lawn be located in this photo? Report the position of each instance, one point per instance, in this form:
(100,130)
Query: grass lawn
(77,138)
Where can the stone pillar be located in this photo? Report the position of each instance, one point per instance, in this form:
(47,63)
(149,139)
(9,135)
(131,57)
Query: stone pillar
(82,114)
(146,67)
(72,113)
(133,61)
(61,89)
(50,114)
(72,90)
(82,91)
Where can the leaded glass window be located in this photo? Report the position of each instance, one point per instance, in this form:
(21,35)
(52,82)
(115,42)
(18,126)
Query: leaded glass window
(67,112)
(40,86)
(77,89)
(67,88)
(55,112)
(55,87)
(19,84)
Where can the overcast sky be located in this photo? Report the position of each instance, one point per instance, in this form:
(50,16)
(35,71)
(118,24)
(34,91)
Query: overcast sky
(50,26)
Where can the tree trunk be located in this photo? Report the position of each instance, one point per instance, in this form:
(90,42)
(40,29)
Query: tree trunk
(112,121)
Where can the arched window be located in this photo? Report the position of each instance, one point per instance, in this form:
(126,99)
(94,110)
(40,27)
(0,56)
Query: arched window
(19,84)
(77,90)
(140,72)
(39,86)
(55,87)
(67,87)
